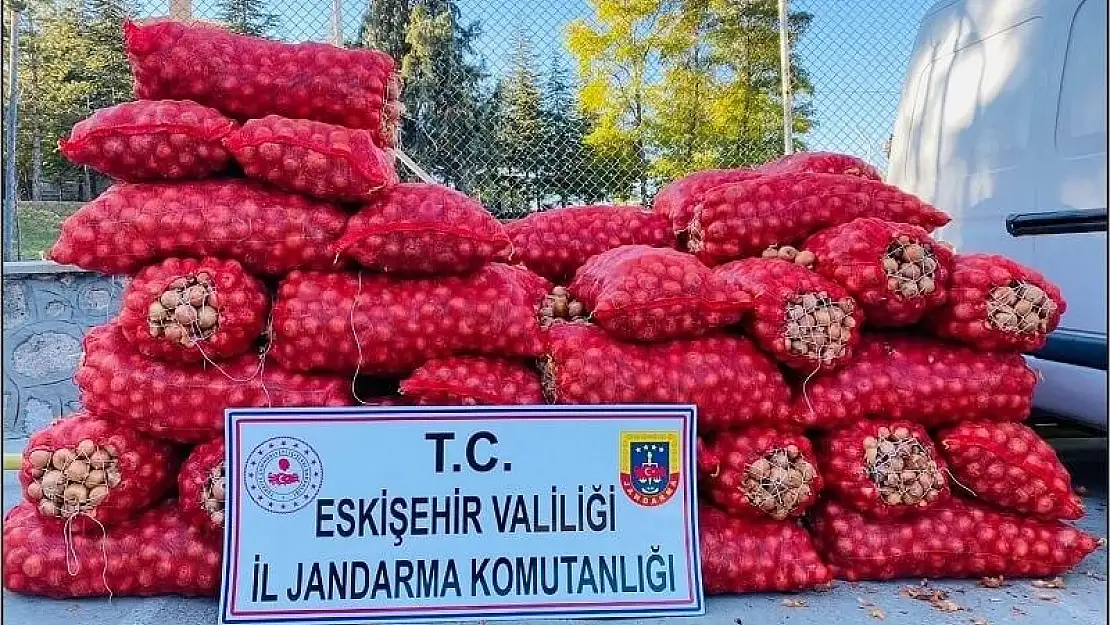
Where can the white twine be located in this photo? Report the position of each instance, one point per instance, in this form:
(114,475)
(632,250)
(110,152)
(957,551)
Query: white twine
(358,344)
(73,566)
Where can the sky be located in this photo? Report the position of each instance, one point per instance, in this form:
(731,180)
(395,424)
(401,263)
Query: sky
(856,51)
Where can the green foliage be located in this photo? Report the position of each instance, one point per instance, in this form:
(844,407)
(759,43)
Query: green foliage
(248,17)
(71,62)
(384,26)
(681,85)
(441,93)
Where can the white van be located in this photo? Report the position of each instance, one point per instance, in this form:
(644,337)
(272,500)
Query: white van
(1002,124)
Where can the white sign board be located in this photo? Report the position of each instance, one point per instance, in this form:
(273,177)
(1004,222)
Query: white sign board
(417,514)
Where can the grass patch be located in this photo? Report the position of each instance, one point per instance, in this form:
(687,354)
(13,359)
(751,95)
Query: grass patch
(39,223)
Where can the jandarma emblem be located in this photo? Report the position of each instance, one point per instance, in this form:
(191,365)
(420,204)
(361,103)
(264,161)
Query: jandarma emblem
(283,474)
(650,466)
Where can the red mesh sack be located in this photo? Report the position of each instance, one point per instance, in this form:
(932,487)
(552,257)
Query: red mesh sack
(805,321)
(1008,465)
(423,229)
(677,199)
(201,487)
(731,382)
(151,140)
(269,232)
(251,77)
(760,472)
(379,325)
(317,159)
(186,310)
(744,218)
(956,539)
(821,163)
(895,272)
(473,380)
(185,403)
(158,553)
(84,468)
(557,242)
(745,555)
(996,304)
(884,468)
(651,294)
(922,380)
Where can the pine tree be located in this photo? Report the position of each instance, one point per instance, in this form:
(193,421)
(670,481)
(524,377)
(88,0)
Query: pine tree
(441,129)
(248,17)
(572,173)
(521,134)
(384,26)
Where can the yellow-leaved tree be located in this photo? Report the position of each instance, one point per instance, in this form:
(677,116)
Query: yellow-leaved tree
(674,86)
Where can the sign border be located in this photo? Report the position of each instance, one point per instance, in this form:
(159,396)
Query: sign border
(234,417)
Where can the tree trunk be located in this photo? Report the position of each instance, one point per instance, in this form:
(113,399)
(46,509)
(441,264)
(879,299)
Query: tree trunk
(87,193)
(36,163)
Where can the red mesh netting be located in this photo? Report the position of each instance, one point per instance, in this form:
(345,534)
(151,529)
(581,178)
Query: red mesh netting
(651,294)
(185,403)
(805,321)
(895,272)
(760,472)
(269,232)
(158,553)
(744,218)
(423,229)
(921,380)
(186,310)
(473,380)
(731,382)
(557,242)
(380,325)
(884,468)
(956,539)
(821,163)
(321,160)
(250,77)
(678,199)
(1008,465)
(200,486)
(151,140)
(84,466)
(745,555)
(995,303)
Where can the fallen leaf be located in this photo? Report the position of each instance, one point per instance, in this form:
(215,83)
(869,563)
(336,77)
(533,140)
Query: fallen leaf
(1047,596)
(1018,611)
(993,582)
(877,613)
(794,603)
(1056,582)
(978,620)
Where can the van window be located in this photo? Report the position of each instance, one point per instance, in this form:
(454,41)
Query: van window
(1081,116)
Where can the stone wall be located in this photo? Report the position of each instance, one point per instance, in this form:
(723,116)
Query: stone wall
(47,310)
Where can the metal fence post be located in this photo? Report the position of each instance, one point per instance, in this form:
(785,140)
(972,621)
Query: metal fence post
(11,251)
(784,69)
(181,9)
(336,23)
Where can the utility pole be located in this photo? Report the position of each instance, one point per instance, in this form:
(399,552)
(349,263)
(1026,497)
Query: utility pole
(12,122)
(784,66)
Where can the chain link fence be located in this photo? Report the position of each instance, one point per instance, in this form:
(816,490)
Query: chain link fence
(525,105)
